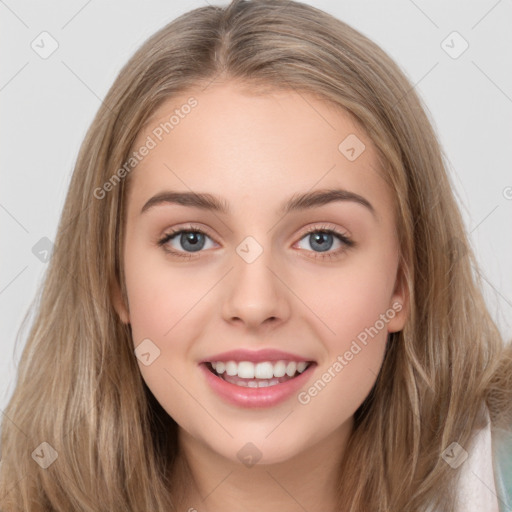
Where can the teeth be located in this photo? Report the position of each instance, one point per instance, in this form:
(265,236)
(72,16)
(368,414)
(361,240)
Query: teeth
(301,366)
(247,383)
(279,369)
(291,369)
(264,370)
(231,368)
(245,370)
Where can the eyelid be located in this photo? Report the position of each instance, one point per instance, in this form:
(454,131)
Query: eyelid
(326,226)
(171,232)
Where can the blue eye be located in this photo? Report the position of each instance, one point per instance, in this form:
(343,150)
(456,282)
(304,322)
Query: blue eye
(191,240)
(194,239)
(322,240)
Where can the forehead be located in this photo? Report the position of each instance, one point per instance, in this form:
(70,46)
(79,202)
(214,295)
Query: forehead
(254,148)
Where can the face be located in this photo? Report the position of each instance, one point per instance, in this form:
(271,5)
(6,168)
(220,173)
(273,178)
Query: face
(269,273)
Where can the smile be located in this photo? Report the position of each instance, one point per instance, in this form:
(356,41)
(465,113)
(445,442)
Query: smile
(255,385)
(257,375)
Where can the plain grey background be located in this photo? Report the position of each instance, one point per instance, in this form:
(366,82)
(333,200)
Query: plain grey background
(49,100)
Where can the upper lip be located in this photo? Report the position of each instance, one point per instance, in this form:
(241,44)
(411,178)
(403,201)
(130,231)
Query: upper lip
(256,356)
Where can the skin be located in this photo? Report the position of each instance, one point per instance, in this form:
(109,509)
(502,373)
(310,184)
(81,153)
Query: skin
(256,151)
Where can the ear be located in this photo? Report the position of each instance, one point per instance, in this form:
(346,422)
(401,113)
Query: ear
(119,303)
(399,303)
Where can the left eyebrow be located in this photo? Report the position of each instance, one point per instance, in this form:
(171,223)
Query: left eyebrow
(297,202)
(322,197)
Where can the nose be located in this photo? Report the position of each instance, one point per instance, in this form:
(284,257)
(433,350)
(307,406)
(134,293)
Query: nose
(257,296)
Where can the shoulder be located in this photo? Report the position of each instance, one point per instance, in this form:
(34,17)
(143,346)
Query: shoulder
(485,482)
(502,464)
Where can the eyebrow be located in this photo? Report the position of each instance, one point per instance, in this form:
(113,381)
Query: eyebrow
(298,202)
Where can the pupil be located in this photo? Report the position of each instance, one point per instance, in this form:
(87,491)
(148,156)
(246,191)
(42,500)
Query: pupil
(319,240)
(195,239)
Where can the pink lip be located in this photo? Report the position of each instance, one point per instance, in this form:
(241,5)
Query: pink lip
(255,356)
(256,397)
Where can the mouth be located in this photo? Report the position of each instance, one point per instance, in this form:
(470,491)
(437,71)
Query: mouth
(258,375)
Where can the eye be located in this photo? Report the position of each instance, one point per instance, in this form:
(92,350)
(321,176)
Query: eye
(321,240)
(193,239)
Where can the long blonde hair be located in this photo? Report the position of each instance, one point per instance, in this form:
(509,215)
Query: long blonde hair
(79,388)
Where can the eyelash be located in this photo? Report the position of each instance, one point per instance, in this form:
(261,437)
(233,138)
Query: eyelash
(347,241)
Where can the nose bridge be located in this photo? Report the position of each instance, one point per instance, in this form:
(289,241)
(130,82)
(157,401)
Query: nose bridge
(256,293)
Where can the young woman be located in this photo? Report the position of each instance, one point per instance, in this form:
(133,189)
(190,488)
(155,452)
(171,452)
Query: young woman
(261,295)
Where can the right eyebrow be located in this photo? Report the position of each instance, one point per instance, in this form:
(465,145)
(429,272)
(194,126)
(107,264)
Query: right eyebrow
(192,199)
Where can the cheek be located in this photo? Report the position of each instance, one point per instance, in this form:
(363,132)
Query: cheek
(159,296)
(161,305)
(356,310)
(164,304)
(354,307)
(350,300)
(151,311)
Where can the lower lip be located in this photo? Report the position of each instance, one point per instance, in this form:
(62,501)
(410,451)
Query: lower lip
(256,397)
